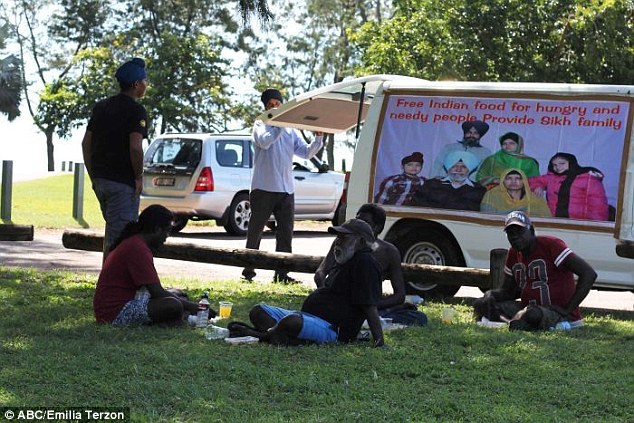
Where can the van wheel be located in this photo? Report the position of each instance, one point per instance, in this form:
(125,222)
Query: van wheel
(429,246)
(179,223)
(239,215)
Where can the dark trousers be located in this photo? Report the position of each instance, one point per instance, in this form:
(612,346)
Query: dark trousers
(282,206)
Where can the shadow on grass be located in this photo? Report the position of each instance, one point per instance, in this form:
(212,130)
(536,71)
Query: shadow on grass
(586,311)
(81,222)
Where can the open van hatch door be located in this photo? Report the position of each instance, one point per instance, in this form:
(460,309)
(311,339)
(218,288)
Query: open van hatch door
(331,109)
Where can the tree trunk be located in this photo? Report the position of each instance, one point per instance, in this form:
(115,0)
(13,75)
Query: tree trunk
(49,150)
(242,257)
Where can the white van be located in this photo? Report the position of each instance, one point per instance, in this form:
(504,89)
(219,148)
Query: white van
(591,124)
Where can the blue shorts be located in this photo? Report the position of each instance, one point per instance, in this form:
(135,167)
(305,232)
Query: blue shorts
(314,328)
(133,313)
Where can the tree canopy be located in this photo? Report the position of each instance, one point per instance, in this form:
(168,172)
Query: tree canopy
(503,40)
(10,79)
(190,48)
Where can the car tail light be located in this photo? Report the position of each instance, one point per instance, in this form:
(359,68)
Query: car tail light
(344,193)
(205,180)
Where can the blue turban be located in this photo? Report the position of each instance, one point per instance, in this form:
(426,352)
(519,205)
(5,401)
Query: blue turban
(469,160)
(131,71)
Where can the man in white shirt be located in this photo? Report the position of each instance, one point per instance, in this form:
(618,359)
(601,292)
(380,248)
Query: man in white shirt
(272,187)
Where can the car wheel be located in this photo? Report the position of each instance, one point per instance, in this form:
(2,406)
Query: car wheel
(340,214)
(428,246)
(239,215)
(179,223)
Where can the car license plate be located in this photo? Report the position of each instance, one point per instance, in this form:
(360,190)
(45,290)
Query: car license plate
(164,182)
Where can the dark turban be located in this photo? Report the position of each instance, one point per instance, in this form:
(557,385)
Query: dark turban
(416,156)
(269,94)
(481,127)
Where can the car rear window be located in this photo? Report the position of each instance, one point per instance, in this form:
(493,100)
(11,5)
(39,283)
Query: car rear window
(181,153)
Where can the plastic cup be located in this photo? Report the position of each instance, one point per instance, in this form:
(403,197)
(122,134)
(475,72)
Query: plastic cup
(448,315)
(224,310)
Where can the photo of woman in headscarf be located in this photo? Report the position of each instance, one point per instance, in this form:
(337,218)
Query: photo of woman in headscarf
(571,190)
(510,155)
(514,194)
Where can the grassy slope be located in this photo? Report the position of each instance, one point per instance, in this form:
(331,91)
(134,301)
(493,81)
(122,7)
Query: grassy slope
(48,203)
(53,354)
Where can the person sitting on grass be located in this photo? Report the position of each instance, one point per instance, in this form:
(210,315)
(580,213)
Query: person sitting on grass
(334,312)
(388,257)
(540,270)
(129,291)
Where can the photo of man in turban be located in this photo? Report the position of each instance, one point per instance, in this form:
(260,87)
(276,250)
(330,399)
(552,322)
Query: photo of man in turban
(473,131)
(456,190)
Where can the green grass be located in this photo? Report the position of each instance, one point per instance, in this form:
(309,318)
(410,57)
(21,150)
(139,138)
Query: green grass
(48,203)
(53,354)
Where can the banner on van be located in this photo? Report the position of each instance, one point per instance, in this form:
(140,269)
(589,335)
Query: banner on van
(551,157)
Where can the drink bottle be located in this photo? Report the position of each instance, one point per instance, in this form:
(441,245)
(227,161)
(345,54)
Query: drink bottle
(203,311)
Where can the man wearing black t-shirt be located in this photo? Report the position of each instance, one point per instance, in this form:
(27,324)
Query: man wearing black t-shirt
(334,312)
(113,150)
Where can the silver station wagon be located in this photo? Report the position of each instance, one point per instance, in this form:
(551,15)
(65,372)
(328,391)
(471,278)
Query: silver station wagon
(208,176)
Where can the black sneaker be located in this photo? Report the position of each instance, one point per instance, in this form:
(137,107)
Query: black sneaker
(248,275)
(285,279)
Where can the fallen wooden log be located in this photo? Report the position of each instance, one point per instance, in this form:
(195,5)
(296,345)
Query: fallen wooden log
(11,232)
(242,257)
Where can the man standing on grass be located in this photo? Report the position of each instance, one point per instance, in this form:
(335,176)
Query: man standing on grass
(129,291)
(336,311)
(540,271)
(113,151)
(272,186)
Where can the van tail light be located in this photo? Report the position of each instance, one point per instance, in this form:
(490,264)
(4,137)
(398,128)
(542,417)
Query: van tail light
(344,193)
(205,181)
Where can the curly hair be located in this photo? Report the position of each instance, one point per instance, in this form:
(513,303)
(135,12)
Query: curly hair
(152,218)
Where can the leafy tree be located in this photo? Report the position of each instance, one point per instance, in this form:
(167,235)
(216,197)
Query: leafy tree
(313,52)
(257,8)
(10,79)
(75,46)
(564,41)
(51,35)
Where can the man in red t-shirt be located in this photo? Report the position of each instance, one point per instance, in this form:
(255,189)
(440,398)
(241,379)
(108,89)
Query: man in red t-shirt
(540,271)
(129,291)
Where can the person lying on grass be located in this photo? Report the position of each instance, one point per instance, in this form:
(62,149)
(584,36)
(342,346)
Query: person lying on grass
(334,312)
(129,291)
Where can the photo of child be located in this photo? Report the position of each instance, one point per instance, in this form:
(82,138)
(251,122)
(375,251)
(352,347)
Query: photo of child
(399,189)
